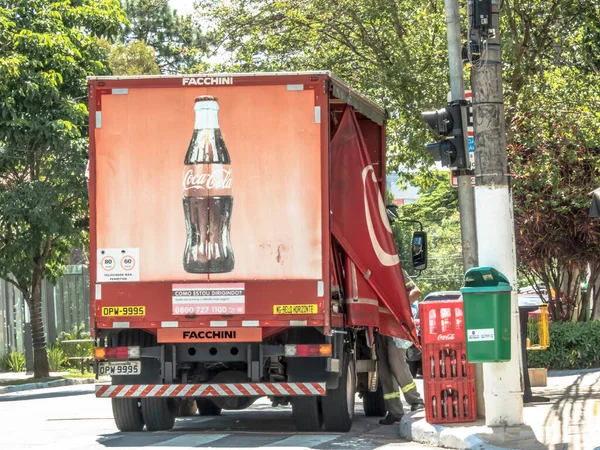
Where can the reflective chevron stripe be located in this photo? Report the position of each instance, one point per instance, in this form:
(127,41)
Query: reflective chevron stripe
(210,390)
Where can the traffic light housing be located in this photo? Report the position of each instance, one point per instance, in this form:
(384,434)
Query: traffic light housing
(451,152)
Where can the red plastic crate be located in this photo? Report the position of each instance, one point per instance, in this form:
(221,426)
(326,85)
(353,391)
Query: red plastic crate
(443,362)
(442,321)
(450,401)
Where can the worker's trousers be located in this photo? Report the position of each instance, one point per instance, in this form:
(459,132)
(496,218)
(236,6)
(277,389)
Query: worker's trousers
(393,373)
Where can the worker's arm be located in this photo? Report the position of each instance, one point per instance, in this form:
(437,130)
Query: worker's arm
(411,288)
(414,294)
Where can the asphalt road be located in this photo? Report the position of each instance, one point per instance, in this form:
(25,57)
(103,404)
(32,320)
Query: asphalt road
(71,418)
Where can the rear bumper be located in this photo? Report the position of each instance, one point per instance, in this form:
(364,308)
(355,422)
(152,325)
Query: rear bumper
(211,390)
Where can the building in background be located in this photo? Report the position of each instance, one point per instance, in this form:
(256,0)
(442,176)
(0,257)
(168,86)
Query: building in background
(401,196)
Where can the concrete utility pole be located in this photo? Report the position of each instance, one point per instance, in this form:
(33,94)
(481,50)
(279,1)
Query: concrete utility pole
(495,226)
(466,194)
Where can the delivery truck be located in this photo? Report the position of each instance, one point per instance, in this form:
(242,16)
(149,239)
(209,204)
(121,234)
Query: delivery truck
(240,246)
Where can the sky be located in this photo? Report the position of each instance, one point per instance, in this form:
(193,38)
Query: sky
(182,6)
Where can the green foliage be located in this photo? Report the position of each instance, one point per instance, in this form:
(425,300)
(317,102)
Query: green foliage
(56,358)
(437,210)
(134,58)
(78,349)
(541,36)
(16,362)
(4,367)
(555,157)
(47,48)
(574,345)
(179,44)
(394,51)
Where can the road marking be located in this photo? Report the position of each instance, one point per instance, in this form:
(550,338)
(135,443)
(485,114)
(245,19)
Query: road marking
(190,440)
(304,440)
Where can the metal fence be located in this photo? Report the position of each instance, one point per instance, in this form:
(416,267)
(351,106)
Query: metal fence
(66,306)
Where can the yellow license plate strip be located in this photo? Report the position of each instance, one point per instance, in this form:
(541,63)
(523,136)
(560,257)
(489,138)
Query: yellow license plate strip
(295,309)
(122,311)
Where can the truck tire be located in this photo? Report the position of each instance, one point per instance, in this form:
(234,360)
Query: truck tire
(338,404)
(159,413)
(307,413)
(373,403)
(127,414)
(187,407)
(207,408)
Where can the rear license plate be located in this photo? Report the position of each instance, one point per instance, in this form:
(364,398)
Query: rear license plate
(120,368)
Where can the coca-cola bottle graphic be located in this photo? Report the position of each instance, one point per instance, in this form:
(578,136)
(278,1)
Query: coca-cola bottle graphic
(207,194)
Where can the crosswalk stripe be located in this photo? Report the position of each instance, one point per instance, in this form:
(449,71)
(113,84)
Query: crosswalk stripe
(190,440)
(304,440)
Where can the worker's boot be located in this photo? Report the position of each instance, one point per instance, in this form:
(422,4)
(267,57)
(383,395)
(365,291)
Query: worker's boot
(390,419)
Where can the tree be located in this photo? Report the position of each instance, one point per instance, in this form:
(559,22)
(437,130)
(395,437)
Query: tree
(135,58)
(47,49)
(179,44)
(394,51)
(437,210)
(555,155)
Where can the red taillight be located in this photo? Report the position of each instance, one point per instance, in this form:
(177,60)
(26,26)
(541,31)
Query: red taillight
(308,350)
(116,352)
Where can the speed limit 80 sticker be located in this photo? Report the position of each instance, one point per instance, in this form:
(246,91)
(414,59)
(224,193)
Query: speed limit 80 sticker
(118,265)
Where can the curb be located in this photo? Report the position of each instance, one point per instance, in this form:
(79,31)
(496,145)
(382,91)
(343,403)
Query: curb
(44,385)
(413,427)
(566,373)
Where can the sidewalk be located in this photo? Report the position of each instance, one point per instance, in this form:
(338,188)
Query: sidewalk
(569,421)
(18,377)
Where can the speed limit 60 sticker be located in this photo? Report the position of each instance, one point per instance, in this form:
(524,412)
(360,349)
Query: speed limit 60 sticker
(118,265)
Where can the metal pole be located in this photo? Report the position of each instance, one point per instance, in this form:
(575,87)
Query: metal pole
(466,197)
(493,201)
(457,86)
(466,194)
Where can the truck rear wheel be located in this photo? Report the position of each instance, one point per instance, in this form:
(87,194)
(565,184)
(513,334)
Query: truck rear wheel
(338,404)
(159,413)
(127,414)
(307,413)
(207,408)
(373,403)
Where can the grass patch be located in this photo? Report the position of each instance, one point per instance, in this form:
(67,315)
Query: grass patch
(19,382)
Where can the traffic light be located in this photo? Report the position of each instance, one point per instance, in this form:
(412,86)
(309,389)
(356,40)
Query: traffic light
(448,122)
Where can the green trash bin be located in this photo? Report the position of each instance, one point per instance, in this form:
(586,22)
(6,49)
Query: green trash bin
(486,302)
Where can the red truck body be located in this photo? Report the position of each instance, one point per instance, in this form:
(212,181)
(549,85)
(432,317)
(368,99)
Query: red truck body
(315,275)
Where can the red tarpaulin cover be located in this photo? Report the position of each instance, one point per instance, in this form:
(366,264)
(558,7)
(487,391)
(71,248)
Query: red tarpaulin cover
(359,222)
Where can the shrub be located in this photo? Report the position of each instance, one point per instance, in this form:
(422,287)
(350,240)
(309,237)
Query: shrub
(573,345)
(4,367)
(56,358)
(16,362)
(79,349)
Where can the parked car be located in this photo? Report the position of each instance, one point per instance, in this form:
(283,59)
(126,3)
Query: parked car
(413,354)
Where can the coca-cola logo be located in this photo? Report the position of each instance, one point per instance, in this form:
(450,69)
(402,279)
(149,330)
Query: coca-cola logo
(217,179)
(386,256)
(445,337)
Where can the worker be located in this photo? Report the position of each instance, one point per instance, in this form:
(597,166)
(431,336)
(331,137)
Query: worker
(393,368)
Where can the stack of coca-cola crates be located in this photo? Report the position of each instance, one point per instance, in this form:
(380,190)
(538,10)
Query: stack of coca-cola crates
(449,379)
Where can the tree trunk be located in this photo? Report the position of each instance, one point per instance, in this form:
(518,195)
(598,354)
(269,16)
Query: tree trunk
(596,299)
(41,368)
